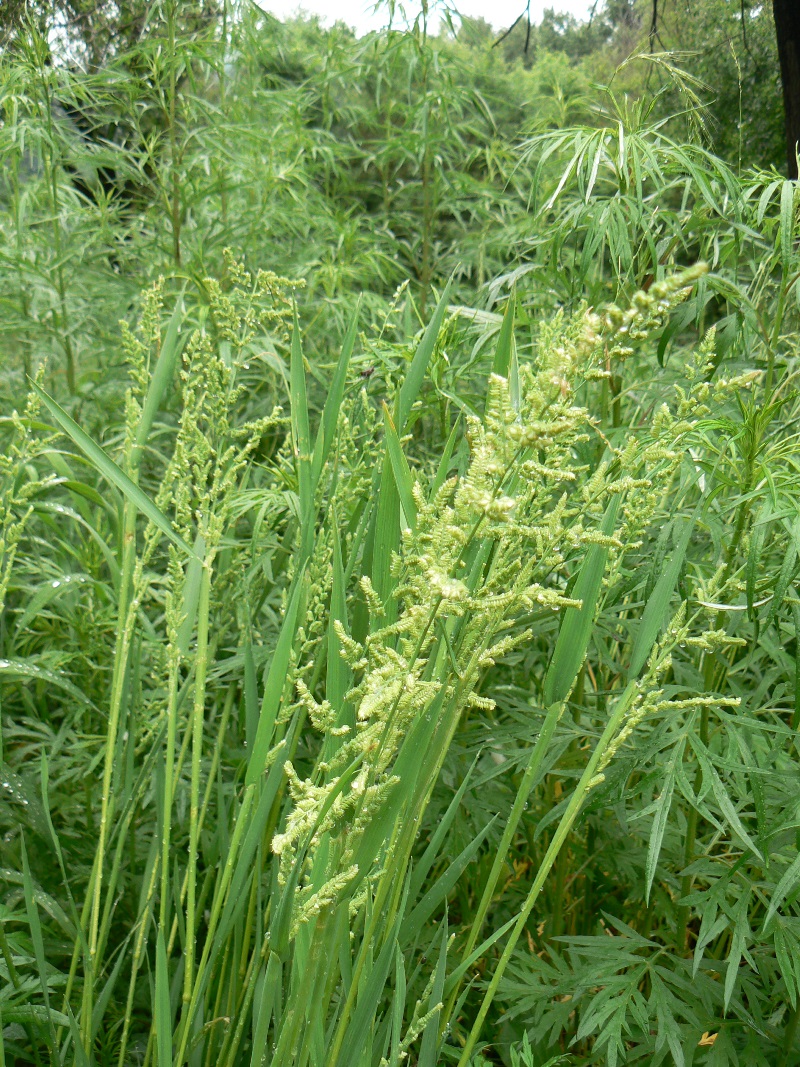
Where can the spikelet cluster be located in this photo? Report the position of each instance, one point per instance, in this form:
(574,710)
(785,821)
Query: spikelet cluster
(17,488)
(480,550)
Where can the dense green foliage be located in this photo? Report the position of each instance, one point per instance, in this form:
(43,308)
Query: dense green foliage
(399,543)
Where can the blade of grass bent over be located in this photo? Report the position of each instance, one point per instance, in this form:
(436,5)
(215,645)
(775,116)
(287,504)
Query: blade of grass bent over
(109,470)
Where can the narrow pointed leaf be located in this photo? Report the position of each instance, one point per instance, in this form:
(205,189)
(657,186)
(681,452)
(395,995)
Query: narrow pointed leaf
(273,688)
(658,602)
(576,627)
(333,403)
(403,477)
(419,364)
(505,339)
(109,470)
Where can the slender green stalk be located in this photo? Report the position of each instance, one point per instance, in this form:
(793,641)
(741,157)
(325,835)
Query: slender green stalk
(197,723)
(538,753)
(142,930)
(55,211)
(122,648)
(172,121)
(709,673)
(564,827)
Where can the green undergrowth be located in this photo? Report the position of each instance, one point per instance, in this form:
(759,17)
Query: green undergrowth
(304,761)
(393,669)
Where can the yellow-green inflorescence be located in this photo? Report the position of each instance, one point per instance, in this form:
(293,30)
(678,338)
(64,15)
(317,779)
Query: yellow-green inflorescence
(485,549)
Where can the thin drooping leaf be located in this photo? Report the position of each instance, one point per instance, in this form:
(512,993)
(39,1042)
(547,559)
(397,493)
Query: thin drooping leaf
(301,431)
(441,887)
(191,594)
(786,574)
(426,860)
(29,668)
(358,1032)
(723,797)
(38,951)
(787,225)
(428,1052)
(338,675)
(788,882)
(109,470)
(386,540)
(447,455)
(163,373)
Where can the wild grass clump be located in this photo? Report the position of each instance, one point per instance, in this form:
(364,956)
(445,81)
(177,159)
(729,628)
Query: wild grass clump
(392,669)
(293,659)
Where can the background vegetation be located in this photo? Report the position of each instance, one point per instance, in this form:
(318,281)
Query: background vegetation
(399,540)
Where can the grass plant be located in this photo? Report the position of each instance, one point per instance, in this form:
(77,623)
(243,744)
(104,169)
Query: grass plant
(398,609)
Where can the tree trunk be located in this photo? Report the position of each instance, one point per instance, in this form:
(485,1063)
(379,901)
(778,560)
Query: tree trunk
(787,31)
